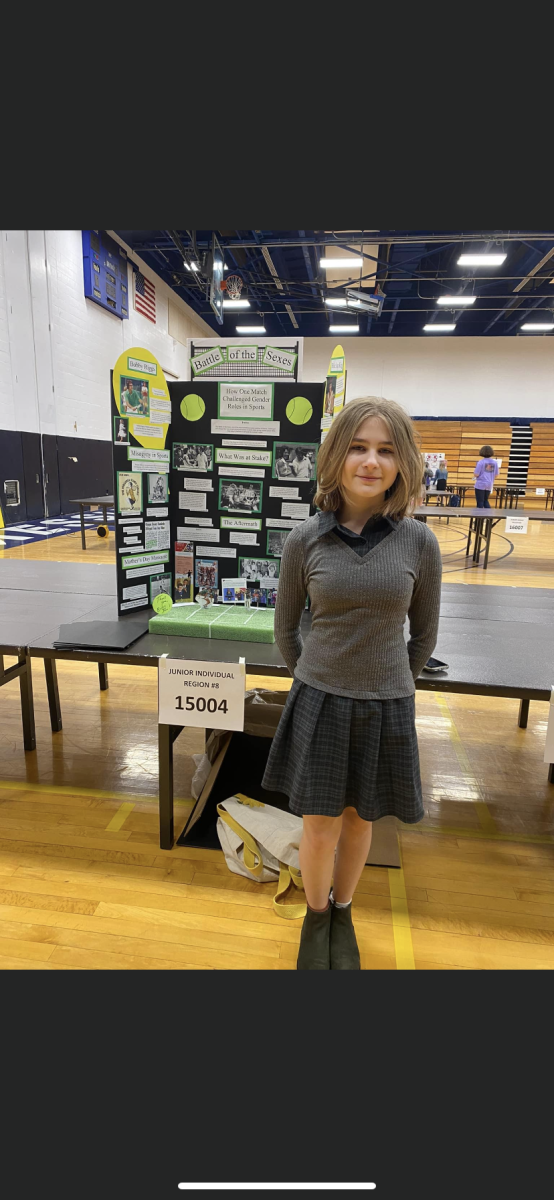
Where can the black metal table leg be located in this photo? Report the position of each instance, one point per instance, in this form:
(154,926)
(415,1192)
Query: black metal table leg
(27,705)
(468,547)
(551,773)
(477,542)
(165,785)
(523,714)
(487,544)
(83,541)
(103,676)
(53,694)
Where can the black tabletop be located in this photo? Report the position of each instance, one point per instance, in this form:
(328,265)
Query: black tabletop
(498,514)
(94,500)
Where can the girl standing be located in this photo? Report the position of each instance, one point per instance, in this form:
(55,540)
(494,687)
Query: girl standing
(345,751)
(484,476)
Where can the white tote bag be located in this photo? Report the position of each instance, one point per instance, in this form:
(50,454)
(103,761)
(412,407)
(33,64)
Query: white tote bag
(261,842)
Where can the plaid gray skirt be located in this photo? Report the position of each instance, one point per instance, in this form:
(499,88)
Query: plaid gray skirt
(332,752)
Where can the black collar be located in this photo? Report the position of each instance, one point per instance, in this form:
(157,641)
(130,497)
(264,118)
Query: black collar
(329,521)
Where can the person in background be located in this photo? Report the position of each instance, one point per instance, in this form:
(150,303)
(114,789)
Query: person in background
(441,472)
(484,476)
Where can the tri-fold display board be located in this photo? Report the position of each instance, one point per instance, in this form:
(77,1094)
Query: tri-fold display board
(209,478)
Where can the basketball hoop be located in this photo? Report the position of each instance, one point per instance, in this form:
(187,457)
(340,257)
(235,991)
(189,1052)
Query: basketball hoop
(234,287)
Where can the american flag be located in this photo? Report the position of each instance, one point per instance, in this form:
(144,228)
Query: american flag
(145,297)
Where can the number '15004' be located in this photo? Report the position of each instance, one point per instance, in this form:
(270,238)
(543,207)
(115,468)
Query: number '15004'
(201,704)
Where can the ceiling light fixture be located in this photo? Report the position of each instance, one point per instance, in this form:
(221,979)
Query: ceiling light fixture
(344,328)
(340,302)
(481,260)
(436,328)
(328,263)
(538,327)
(456,301)
(236,304)
(251,329)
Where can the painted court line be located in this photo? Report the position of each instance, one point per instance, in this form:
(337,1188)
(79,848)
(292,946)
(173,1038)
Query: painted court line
(402,933)
(95,793)
(119,818)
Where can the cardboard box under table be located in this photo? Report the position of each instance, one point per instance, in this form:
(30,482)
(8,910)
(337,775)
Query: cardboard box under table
(220,621)
(237,763)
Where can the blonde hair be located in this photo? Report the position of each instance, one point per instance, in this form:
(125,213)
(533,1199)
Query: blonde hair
(404,494)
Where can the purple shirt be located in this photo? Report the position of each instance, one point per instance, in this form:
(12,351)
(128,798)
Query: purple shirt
(485,473)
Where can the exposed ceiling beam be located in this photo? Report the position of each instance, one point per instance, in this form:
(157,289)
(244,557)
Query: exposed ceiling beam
(534,271)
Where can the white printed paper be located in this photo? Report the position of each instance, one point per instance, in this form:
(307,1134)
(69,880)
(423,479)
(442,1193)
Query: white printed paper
(157,512)
(194,501)
(144,464)
(138,364)
(285,493)
(132,593)
(216,551)
(243,539)
(197,535)
(138,572)
(275,357)
(246,400)
(154,431)
(157,456)
(234,583)
(156,535)
(198,521)
(549,743)
(131,529)
(129,520)
(203,362)
(192,692)
(232,442)
(128,541)
(252,472)
(240,523)
(197,485)
(134,603)
(298,511)
(164,405)
(280,523)
(145,560)
(254,428)
(516,524)
(254,458)
(160,415)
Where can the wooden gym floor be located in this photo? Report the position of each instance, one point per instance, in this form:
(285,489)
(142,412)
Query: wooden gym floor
(84,885)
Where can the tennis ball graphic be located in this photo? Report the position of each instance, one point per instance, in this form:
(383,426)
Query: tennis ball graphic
(192,407)
(299,410)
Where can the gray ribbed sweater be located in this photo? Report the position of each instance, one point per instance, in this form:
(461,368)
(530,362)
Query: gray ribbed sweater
(356,644)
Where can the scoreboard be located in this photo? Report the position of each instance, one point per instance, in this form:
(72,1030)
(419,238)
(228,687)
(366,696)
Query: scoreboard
(105,272)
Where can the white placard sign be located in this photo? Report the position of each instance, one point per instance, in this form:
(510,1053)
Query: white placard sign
(549,743)
(204,694)
(283,359)
(245,400)
(256,458)
(299,511)
(540,491)
(252,472)
(241,523)
(194,501)
(138,364)
(517,524)
(240,354)
(157,456)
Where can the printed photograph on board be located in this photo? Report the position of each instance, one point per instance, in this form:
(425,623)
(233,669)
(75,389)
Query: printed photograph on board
(157,488)
(329,398)
(258,568)
(183,572)
(276,539)
(129,492)
(121,431)
(229,595)
(240,495)
(192,456)
(294,460)
(206,575)
(135,397)
(159,583)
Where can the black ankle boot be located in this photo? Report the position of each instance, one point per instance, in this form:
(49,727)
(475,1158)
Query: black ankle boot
(344,952)
(313,954)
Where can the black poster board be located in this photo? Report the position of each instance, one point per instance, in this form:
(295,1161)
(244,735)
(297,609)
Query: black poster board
(236,496)
(216,505)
